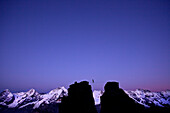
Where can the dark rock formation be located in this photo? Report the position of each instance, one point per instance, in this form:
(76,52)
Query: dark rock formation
(79,99)
(115,100)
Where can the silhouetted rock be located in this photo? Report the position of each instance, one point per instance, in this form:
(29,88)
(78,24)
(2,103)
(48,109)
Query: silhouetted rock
(115,100)
(79,99)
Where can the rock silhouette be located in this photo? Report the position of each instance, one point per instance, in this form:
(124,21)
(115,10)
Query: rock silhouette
(79,99)
(115,100)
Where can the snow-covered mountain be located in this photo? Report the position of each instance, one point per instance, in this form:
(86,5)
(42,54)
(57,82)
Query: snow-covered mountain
(33,98)
(6,97)
(148,98)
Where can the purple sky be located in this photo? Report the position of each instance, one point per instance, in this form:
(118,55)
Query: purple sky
(45,44)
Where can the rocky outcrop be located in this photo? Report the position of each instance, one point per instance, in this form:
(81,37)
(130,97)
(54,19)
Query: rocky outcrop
(115,100)
(79,99)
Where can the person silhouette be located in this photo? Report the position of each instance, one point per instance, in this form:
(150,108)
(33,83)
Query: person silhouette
(92,80)
(114,99)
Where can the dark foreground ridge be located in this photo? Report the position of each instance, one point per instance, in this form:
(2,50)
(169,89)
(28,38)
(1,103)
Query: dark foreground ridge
(80,100)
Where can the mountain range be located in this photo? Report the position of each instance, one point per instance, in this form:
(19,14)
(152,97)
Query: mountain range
(33,98)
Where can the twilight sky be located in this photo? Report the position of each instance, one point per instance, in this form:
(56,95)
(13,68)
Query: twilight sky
(45,44)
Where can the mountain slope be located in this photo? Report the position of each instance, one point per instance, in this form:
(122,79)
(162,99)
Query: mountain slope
(23,99)
(34,99)
(148,98)
(6,97)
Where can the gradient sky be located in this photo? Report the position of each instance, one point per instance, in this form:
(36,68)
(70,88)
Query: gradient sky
(45,44)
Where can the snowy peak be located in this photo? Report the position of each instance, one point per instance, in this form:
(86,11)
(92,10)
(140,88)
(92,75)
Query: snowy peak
(57,90)
(166,93)
(6,97)
(31,92)
(58,93)
(148,98)
(54,96)
(33,98)
(24,97)
(5,93)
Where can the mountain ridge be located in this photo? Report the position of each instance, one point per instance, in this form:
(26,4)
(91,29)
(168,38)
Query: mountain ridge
(32,97)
